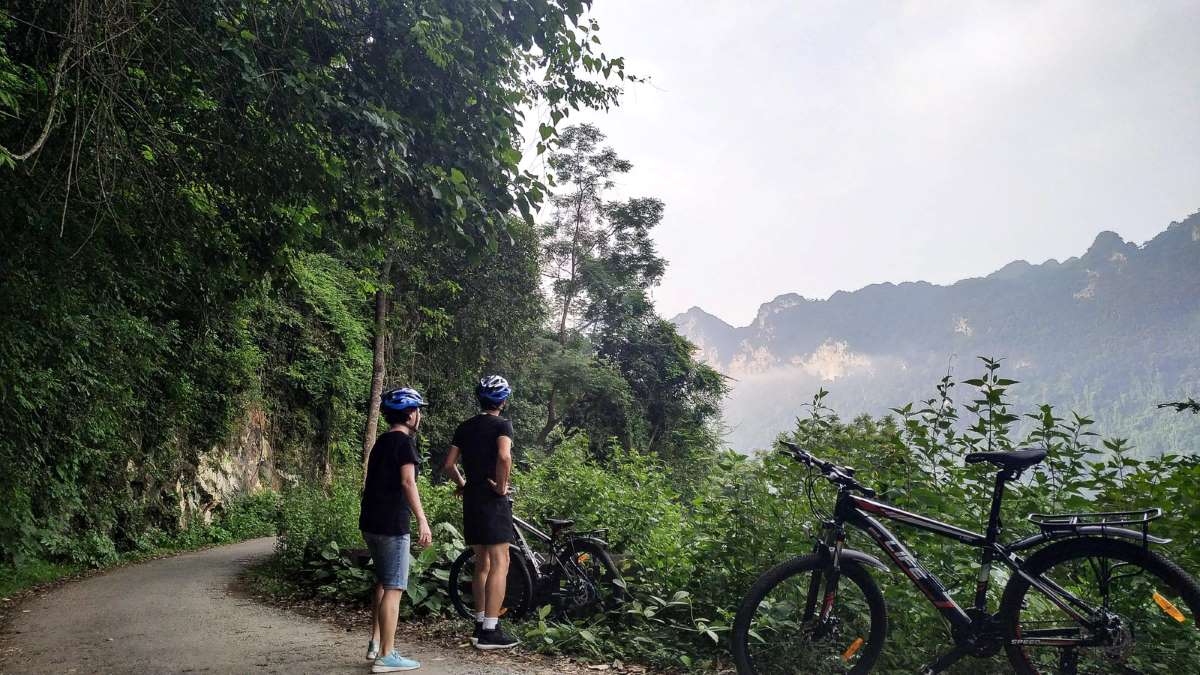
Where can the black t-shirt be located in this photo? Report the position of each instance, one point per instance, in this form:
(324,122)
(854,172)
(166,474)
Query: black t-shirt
(385,508)
(476,439)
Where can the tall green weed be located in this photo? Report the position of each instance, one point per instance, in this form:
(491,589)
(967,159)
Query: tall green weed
(688,560)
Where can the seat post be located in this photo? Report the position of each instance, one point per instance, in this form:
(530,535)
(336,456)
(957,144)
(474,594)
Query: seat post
(993,533)
(993,527)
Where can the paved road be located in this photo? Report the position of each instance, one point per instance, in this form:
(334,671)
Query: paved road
(178,615)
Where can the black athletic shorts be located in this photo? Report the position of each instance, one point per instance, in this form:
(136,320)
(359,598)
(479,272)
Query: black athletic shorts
(487,519)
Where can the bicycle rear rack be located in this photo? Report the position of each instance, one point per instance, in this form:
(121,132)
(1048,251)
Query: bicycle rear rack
(1068,523)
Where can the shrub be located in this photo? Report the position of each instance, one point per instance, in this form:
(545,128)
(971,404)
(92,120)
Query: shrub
(688,562)
(310,520)
(251,515)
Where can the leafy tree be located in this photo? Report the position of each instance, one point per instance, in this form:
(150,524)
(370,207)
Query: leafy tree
(197,200)
(602,264)
(576,230)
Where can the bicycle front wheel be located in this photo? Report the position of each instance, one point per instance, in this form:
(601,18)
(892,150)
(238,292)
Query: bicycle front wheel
(779,629)
(1144,618)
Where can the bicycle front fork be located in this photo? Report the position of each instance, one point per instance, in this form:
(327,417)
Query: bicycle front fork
(822,588)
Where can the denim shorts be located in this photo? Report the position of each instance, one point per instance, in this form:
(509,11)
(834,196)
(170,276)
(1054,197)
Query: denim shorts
(390,553)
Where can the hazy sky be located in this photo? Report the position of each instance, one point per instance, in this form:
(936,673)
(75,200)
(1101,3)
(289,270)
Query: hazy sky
(814,146)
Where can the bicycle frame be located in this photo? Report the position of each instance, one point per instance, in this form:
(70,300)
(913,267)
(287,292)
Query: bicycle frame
(863,513)
(534,560)
(520,526)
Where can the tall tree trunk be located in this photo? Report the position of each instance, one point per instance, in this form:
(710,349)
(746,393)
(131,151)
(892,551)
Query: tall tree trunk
(378,369)
(325,446)
(551,421)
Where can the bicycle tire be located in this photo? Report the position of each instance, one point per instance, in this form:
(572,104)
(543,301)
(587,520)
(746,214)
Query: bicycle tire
(868,653)
(610,578)
(1171,579)
(518,596)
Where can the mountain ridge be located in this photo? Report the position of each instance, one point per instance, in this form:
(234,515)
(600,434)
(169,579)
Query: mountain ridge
(1082,333)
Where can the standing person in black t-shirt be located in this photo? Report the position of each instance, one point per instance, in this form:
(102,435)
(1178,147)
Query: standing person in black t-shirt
(389,500)
(485,445)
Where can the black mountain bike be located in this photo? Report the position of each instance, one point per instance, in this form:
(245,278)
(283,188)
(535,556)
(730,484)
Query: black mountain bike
(575,575)
(1094,599)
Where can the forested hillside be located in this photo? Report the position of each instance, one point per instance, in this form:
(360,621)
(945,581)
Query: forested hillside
(1111,334)
(228,224)
(214,213)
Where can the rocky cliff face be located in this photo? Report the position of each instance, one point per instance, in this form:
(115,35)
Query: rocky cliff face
(243,465)
(1109,333)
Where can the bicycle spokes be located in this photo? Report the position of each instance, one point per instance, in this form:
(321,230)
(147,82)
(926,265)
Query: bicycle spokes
(1139,625)
(789,635)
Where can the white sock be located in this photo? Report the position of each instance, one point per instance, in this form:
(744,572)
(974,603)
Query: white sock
(479,616)
(490,623)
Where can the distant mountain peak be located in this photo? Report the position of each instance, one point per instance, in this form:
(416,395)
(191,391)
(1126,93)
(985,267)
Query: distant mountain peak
(1107,247)
(1013,270)
(697,314)
(1107,333)
(780,303)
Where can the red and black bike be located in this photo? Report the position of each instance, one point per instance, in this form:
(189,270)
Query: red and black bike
(1092,597)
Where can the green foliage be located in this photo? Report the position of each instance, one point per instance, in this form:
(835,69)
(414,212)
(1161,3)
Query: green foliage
(193,219)
(32,573)
(336,573)
(311,519)
(688,560)
(629,493)
(245,517)
(251,515)
(610,366)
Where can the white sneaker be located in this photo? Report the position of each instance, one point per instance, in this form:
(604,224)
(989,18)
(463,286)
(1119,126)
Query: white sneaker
(372,650)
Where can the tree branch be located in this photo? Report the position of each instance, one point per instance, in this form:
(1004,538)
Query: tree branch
(54,98)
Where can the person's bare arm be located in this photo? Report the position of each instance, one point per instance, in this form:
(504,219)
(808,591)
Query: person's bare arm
(408,481)
(503,465)
(450,468)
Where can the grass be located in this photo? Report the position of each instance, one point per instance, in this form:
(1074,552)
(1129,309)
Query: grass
(270,578)
(247,517)
(34,573)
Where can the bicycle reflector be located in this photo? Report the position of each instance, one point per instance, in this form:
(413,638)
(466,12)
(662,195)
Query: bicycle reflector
(1169,607)
(852,650)
(583,558)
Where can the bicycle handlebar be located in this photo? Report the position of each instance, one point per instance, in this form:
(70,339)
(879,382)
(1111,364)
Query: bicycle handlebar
(842,476)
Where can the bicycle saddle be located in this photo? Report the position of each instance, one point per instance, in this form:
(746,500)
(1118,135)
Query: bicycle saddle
(1016,460)
(558,523)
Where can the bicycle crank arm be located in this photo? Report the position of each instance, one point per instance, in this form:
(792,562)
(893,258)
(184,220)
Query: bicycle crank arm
(946,660)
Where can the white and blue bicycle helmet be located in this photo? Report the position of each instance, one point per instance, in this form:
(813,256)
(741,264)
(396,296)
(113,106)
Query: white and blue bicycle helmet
(401,399)
(493,388)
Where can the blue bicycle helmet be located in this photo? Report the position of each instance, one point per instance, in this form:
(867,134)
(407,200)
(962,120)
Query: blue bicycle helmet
(493,388)
(401,399)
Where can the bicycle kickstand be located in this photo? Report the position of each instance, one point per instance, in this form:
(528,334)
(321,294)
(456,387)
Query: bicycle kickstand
(946,660)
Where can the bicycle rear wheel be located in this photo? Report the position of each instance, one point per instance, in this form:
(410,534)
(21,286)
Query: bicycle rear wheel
(778,629)
(591,581)
(518,596)
(1149,608)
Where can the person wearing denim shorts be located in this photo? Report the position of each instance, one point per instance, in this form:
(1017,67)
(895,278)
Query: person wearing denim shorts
(389,501)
